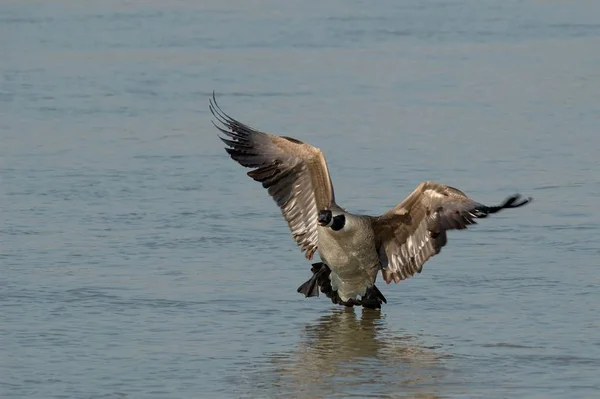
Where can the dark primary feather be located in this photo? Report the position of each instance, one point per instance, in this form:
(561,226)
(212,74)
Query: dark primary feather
(294,173)
(415,230)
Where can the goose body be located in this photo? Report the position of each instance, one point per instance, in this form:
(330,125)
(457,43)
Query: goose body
(353,248)
(351,254)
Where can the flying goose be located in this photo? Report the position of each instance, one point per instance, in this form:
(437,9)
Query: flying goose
(353,248)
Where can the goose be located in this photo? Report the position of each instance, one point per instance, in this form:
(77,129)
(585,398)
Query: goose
(353,248)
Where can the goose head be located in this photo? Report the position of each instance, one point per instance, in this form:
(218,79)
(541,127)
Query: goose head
(328,219)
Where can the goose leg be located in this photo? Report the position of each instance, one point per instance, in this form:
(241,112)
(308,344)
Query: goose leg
(320,282)
(319,279)
(335,298)
(373,298)
(349,303)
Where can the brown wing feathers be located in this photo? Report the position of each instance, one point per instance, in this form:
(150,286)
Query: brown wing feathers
(415,230)
(296,176)
(294,173)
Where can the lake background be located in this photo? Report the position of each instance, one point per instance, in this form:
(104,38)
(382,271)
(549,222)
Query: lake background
(138,260)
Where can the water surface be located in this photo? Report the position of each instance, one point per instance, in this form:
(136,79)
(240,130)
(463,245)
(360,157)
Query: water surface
(138,261)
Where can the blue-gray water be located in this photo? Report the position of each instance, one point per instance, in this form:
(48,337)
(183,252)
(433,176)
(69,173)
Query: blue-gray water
(138,260)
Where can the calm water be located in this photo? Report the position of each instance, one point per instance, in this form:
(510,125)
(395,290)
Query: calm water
(138,261)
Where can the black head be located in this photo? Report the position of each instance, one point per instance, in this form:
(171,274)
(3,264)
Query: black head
(325,217)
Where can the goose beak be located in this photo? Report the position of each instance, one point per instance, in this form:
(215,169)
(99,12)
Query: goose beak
(325,217)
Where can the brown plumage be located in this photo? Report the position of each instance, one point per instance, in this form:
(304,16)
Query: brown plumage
(415,230)
(295,174)
(354,247)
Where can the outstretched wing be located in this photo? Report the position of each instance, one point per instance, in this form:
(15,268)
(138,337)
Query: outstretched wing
(415,230)
(295,173)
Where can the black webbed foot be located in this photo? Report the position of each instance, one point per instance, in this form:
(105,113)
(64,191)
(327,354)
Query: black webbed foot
(319,279)
(350,303)
(320,282)
(335,299)
(373,298)
(309,288)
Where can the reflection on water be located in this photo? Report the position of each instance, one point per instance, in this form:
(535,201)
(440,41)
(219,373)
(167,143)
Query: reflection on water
(348,353)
